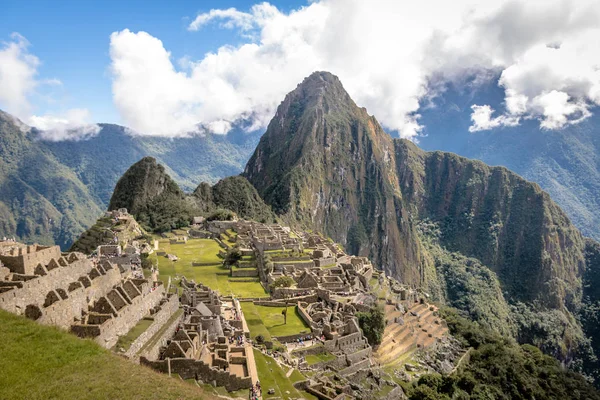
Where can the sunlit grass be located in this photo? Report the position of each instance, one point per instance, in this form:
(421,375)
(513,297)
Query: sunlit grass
(41,362)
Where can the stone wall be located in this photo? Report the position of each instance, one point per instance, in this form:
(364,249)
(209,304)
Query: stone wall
(366,363)
(128,317)
(359,355)
(293,338)
(306,317)
(153,352)
(34,291)
(297,264)
(321,262)
(28,257)
(291,259)
(160,318)
(344,342)
(283,293)
(64,313)
(190,369)
(244,272)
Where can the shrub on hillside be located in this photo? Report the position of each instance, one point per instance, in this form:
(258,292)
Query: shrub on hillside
(372,324)
(221,215)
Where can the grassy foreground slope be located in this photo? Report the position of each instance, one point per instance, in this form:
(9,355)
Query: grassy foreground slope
(40,362)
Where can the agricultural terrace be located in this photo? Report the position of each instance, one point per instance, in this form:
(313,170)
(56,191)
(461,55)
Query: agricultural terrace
(268,321)
(211,273)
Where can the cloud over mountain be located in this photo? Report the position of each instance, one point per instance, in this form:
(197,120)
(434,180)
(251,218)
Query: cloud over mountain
(387,53)
(18,84)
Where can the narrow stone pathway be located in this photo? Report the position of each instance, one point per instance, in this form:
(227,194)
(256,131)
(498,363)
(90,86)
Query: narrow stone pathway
(290,372)
(252,371)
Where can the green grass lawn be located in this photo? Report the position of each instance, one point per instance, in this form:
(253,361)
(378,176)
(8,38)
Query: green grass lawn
(41,362)
(317,358)
(125,341)
(270,319)
(214,276)
(255,323)
(271,375)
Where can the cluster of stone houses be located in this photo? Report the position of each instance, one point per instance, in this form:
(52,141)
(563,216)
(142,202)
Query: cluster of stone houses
(210,342)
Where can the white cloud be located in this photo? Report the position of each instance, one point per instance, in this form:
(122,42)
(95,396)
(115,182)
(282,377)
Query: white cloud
(482,119)
(18,83)
(559,110)
(18,69)
(385,53)
(75,124)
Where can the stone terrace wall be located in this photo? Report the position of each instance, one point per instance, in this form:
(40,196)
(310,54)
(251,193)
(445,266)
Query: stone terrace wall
(366,363)
(296,264)
(64,312)
(160,318)
(188,369)
(153,352)
(286,293)
(27,258)
(35,290)
(128,317)
(244,272)
(344,342)
(360,355)
(293,338)
(291,259)
(307,318)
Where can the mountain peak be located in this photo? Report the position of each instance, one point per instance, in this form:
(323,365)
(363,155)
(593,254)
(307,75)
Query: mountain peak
(143,182)
(320,90)
(320,80)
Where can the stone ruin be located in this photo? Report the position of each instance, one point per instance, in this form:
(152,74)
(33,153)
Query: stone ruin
(210,344)
(91,297)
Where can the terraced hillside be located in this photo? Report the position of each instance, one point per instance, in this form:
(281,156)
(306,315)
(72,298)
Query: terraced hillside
(108,230)
(406,333)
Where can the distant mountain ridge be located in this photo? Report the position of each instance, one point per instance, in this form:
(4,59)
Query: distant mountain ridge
(564,162)
(54,191)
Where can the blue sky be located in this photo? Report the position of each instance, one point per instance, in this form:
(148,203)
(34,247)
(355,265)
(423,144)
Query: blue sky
(175,68)
(71,39)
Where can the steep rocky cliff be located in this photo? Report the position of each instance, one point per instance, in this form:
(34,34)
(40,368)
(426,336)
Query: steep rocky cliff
(325,163)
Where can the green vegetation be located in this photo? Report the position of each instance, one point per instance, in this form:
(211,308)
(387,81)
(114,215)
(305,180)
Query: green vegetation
(282,282)
(372,324)
(232,256)
(152,197)
(499,368)
(221,214)
(237,194)
(466,284)
(271,375)
(41,200)
(268,321)
(125,341)
(40,362)
(211,273)
(318,358)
